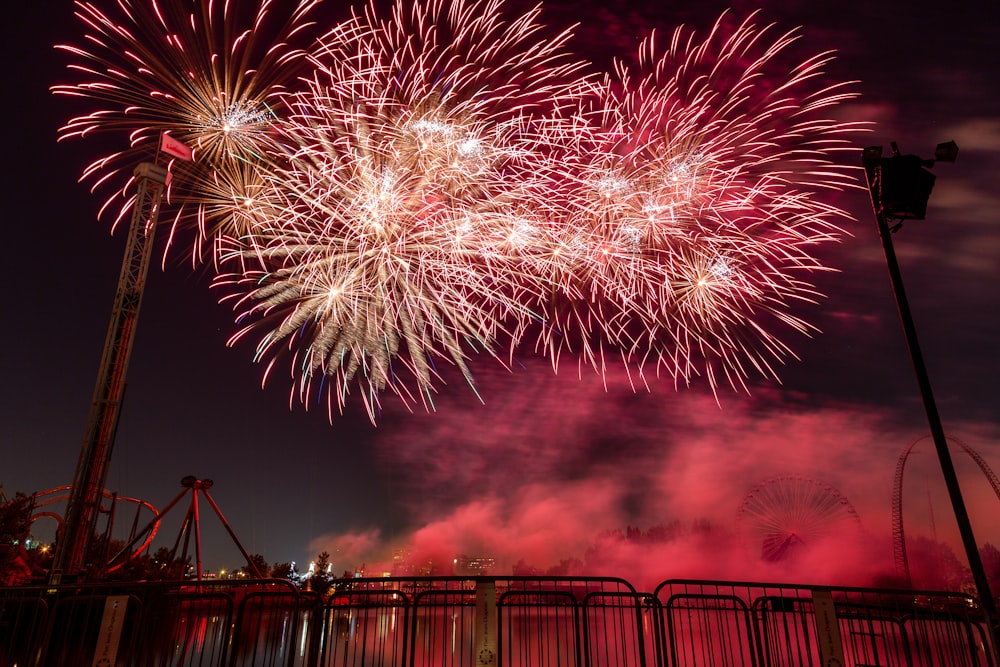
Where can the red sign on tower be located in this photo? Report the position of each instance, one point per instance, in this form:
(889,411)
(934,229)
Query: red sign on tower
(175,147)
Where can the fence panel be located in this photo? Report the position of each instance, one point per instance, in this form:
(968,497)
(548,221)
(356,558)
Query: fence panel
(185,629)
(365,628)
(75,631)
(444,628)
(267,630)
(871,637)
(710,630)
(538,628)
(945,640)
(915,628)
(23,620)
(787,630)
(613,632)
(310,635)
(704,622)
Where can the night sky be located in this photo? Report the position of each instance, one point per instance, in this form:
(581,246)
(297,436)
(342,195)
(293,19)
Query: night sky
(549,461)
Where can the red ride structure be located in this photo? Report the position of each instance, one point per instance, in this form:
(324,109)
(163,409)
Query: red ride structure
(73,543)
(898,534)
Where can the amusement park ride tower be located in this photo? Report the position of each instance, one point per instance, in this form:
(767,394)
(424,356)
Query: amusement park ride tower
(83,505)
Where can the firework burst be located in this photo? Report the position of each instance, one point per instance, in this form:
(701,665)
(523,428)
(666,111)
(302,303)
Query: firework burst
(695,200)
(389,233)
(207,72)
(446,181)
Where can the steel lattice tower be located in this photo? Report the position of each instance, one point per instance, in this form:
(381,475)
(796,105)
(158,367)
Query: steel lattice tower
(102,420)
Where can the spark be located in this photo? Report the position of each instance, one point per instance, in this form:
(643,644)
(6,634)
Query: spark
(190,68)
(400,214)
(699,185)
(445,181)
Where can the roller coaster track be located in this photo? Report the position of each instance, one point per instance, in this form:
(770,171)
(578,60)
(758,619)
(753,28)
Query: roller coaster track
(898,533)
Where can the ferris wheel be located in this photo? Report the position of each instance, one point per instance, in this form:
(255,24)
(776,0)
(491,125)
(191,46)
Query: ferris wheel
(782,514)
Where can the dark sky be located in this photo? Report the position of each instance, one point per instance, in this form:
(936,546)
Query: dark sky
(548,461)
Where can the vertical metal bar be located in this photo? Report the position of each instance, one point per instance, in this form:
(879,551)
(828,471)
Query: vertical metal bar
(236,540)
(197,529)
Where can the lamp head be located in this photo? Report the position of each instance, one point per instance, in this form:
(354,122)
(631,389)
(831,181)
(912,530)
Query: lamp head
(906,187)
(946,152)
(905,183)
(871,156)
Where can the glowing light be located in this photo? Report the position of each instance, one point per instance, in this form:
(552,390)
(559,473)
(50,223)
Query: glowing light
(610,185)
(721,268)
(698,182)
(444,181)
(209,73)
(241,117)
(395,231)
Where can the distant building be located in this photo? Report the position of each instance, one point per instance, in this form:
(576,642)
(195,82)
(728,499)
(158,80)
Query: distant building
(472,566)
(401,565)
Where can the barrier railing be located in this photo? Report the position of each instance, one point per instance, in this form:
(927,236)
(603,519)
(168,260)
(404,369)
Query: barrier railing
(488,621)
(721,623)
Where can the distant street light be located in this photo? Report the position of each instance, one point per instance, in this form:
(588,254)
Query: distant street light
(900,186)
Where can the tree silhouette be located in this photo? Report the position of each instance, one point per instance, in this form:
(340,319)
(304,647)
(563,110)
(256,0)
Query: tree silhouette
(320,581)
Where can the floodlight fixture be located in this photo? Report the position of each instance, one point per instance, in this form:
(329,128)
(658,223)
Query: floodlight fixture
(904,182)
(946,152)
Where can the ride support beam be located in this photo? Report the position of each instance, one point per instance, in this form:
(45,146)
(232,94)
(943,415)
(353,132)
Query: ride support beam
(92,468)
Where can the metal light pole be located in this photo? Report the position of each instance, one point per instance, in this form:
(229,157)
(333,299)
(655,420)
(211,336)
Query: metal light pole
(900,186)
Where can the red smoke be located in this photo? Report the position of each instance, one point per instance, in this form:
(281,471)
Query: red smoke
(546,472)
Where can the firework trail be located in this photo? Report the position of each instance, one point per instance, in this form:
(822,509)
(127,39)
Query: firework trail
(694,203)
(446,181)
(386,239)
(207,72)
(435,205)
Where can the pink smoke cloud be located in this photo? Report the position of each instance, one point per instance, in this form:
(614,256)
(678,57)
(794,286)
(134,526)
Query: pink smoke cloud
(550,473)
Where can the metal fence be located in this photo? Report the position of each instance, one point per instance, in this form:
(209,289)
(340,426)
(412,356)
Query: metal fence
(488,621)
(716,623)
